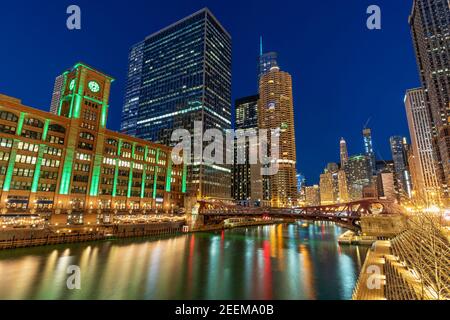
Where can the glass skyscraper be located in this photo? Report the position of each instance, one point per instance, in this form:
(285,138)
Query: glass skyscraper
(176,76)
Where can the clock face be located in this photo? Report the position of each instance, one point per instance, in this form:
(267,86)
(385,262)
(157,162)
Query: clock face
(72,84)
(94,86)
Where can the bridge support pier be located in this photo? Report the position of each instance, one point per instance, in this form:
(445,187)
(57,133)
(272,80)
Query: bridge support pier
(383,226)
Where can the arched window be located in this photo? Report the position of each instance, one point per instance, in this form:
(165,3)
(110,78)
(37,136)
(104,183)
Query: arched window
(126,145)
(56,128)
(34,122)
(5,115)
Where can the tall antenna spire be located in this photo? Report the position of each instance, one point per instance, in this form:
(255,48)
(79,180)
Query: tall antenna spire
(260,45)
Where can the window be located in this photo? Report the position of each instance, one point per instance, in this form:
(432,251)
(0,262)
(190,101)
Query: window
(34,123)
(28,146)
(84,156)
(82,167)
(55,140)
(80,178)
(109,161)
(49,175)
(52,163)
(31,134)
(4,156)
(53,151)
(5,115)
(85,145)
(23,172)
(6,143)
(87,136)
(20,185)
(47,187)
(21,158)
(56,128)
(7,129)
(111,142)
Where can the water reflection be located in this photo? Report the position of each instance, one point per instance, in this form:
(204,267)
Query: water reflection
(296,261)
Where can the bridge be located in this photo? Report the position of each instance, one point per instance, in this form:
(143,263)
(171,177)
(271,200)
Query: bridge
(348,215)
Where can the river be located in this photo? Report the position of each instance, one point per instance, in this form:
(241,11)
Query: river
(290,261)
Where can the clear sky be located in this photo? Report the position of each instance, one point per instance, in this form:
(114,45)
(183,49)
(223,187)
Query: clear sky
(343,73)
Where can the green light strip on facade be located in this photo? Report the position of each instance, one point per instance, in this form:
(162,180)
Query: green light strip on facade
(37,170)
(156,174)
(103,116)
(79,96)
(144,173)
(169,175)
(9,171)
(45,131)
(93,192)
(67,172)
(130,176)
(20,123)
(184,179)
(116,171)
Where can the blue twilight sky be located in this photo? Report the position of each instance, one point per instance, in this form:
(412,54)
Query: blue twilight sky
(342,72)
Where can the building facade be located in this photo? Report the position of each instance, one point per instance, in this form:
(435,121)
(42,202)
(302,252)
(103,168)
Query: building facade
(368,148)
(399,151)
(56,95)
(343,152)
(425,180)
(359,175)
(430,28)
(177,76)
(276,111)
(312,196)
(386,186)
(70,161)
(343,187)
(247,186)
(265,62)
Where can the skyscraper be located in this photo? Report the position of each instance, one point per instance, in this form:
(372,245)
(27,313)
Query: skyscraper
(56,95)
(266,61)
(179,75)
(343,152)
(312,196)
(430,27)
(276,111)
(359,175)
(247,186)
(343,188)
(422,162)
(399,150)
(326,188)
(329,185)
(368,148)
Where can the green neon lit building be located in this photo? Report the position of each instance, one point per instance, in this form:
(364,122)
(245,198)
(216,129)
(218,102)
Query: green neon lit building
(69,160)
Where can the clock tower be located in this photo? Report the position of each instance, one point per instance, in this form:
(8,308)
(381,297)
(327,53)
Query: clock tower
(84,100)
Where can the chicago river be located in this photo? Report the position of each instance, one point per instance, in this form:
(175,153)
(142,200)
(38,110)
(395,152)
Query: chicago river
(285,261)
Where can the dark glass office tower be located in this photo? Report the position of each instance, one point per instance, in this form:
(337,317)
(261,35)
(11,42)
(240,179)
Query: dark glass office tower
(265,62)
(179,75)
(430,28)
(247,187)
(399,150)
(368,148)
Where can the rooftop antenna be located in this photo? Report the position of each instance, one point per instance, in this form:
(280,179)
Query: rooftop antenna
(260,45)
(367,122)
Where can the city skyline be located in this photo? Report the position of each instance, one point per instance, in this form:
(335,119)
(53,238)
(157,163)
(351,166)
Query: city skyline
(244,70)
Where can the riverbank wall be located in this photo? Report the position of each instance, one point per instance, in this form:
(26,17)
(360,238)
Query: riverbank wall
(22,238)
